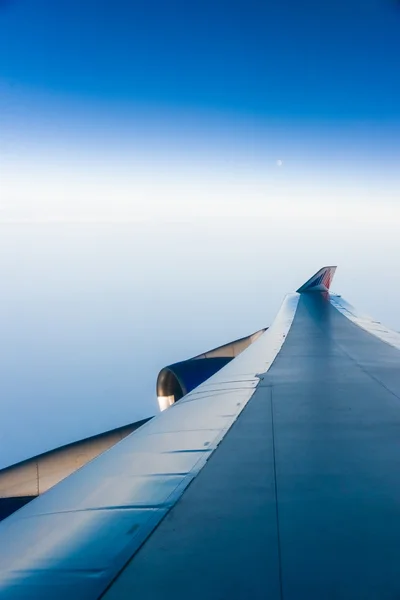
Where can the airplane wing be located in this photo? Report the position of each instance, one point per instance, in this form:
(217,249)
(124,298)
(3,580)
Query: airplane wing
(278,477)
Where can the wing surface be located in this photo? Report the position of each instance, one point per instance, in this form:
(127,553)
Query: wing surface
(277,477)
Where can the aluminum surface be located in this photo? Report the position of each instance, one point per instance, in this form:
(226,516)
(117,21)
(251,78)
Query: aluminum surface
(299,497)
(72,540)
(302,498)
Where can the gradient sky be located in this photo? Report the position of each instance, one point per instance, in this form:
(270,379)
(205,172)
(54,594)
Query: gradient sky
(168,170)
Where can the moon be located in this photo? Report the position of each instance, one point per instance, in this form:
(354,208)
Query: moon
(279,163)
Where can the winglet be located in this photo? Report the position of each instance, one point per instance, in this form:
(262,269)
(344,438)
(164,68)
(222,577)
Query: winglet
(320,282)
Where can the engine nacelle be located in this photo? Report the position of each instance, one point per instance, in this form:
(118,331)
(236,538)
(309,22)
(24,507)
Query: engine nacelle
(177,380)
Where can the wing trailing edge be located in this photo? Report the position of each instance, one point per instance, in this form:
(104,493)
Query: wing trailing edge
(320,282)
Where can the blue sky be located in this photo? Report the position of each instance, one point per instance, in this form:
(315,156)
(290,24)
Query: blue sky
(92,88)
(168,170)
(308,60)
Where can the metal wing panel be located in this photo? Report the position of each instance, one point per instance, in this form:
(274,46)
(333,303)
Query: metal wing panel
(301,499)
